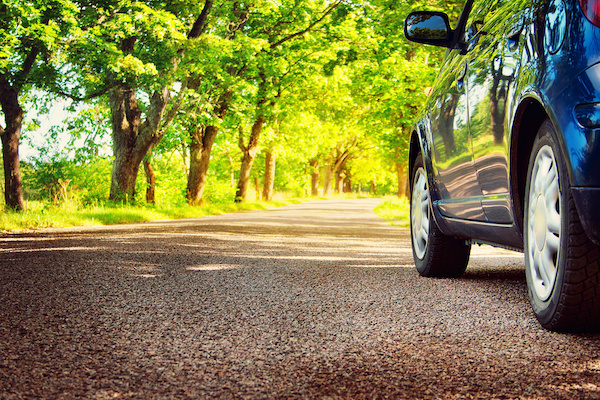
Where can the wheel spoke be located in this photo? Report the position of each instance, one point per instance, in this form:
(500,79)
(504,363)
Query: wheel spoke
(548,268)
(420,216)
(538,181)
(550,178)
(544,223)
(552,242)
(541,267)
(423,235)
(554,222)
(425,205)
(537,264)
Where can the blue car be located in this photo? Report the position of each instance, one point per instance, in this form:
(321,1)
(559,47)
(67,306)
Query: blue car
(507,149)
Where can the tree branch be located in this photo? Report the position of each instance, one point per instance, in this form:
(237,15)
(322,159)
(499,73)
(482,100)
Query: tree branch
(200,24)
(176,107)
(88,96)
(309,27)
(241,144)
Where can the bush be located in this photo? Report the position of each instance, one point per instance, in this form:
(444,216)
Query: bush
(394,209)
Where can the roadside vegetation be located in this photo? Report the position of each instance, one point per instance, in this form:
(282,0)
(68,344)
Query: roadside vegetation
(395,210)
(125,111)
(39,215)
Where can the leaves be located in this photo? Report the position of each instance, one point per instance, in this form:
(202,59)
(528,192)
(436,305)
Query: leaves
(328,77)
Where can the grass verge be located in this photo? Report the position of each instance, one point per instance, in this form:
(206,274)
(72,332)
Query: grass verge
(39,215)
(395,210)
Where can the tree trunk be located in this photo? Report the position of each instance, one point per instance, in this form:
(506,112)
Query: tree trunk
(347,186)
(347,182)
(241,193)
(126,120)
(314,177)
(335,168)
(131,138)
(373,187)
(256,188)
(269,179)
(11,134)
(402,179)
(339,182)
(248,155)
(150,179)
(328,179)
(200,149)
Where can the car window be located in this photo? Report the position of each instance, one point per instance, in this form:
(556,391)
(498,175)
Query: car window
(478,18)
(480,11)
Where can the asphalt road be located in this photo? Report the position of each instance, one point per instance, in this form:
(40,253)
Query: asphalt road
(318,300)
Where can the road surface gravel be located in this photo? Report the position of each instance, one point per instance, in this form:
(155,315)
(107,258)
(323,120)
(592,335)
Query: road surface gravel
(313,301)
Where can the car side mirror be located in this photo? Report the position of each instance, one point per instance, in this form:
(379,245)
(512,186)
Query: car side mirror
(428,27)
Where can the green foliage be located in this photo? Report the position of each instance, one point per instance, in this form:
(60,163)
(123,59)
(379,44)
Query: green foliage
(329,82)
(61,181)
(395,210)
(40,215)
(128,41)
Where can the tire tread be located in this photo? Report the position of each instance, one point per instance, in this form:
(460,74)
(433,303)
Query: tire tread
(579,304)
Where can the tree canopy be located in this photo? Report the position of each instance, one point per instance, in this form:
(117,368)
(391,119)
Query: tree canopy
(304,96)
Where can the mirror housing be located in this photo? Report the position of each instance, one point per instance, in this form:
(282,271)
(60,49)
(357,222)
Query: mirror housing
(429,27)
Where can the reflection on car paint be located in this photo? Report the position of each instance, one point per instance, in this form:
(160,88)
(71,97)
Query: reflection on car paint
(556,26)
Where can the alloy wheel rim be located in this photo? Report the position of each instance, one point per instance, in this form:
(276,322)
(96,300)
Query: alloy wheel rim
(420,216)
(544,223)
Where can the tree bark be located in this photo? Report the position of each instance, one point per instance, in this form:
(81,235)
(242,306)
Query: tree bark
(402,179)
(248,155)
(150,179)
(132,139)
(373,187)
(334,168)
(11,135)
(328,179)
(256,188)
(347,182)
(269,179)
(125,119)
(348,186)
(339,182)
(200,149)
(314,177)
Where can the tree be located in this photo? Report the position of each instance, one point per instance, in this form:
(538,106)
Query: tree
(31,39)
(278,66)
(217,66)
(128,49)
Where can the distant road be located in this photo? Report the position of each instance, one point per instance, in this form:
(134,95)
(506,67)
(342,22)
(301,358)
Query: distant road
(316,300)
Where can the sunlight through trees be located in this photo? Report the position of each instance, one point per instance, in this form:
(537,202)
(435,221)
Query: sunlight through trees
(214,101)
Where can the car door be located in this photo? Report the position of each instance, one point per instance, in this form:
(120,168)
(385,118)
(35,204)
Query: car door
(458,194)
(493,54)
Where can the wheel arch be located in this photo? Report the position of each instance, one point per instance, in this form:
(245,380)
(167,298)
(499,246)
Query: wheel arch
(528,118)
(414,150)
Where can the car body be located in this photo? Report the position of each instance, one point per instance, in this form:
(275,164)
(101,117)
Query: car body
(507,148)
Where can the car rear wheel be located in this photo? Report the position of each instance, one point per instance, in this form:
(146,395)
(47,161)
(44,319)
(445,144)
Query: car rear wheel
(561,263)
(435,254)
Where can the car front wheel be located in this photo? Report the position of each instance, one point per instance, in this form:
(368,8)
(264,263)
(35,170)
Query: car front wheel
(561,263)
(434,253)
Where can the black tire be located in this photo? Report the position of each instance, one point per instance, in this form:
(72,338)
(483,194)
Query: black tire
(435,254)
(561,263)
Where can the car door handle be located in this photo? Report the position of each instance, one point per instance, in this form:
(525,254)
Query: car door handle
(460,81)
(513,38)
(513,41)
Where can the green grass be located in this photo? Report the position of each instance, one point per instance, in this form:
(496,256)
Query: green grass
(43,215)
(395,210)
(39,215)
